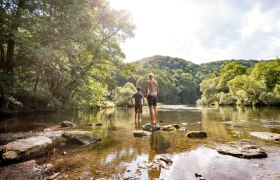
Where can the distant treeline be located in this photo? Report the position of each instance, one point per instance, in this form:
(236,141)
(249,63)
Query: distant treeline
(227,82)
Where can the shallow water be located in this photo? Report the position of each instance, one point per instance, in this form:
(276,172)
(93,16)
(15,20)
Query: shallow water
(119,154)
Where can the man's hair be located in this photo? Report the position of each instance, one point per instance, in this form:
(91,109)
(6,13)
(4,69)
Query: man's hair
(151,75)
(139,88)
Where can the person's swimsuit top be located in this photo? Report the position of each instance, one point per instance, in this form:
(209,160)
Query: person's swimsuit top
(153,90)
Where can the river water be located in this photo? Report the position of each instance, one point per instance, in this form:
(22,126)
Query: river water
(119,154)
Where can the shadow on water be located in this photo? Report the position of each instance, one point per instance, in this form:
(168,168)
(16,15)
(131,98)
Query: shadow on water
(119,154)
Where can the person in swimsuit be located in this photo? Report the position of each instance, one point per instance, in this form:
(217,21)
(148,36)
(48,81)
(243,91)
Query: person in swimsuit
(139,101)
(152,90)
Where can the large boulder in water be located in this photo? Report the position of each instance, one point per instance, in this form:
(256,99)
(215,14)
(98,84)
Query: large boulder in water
(25,148)
(266,136)
(81,137)
(247,151)
(150,127)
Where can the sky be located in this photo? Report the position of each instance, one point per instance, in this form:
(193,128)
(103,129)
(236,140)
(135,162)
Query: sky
(202,30)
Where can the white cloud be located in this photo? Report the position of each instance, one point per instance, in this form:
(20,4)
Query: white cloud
(202,31)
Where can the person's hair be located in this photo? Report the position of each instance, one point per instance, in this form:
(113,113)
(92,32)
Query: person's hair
(151,76)
(139,88)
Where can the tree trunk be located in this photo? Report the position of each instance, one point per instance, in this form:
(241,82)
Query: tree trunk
(8,65)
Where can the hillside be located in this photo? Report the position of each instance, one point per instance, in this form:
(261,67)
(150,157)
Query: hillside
(180,80)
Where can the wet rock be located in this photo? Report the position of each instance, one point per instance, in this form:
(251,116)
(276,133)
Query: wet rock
(151,127)
(54,176)
(196,134)
(236,126)
(166,160)
(266,136)
(26,170)
(246,151)
(48,130)
(67,124)
(81,137)
(183,129)
(8,137)
(98,124)
(25,148)
(159,161)
(200,176)
(168,128)
(141,133)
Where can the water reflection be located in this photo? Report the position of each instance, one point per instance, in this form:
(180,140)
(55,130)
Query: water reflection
(138,124)
(119,153)
(158,145)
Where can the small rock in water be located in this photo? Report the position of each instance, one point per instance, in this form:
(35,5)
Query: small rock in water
(166,160)
(47,130)
(247,151)
(98,124)
(64,153)
(196,134)
(168,128)
(67,124)
(54,176)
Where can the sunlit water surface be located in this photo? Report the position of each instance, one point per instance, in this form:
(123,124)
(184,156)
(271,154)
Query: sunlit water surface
(119,154)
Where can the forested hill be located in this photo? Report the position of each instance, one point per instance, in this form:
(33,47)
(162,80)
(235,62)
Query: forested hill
(169,63)
(224,82)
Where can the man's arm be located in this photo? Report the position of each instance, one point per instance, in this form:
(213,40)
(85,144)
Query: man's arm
(131,99)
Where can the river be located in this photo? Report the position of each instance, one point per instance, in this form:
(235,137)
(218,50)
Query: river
(119,153)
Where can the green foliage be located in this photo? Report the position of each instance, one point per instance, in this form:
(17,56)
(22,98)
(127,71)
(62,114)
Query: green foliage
(123,94)
(65,53)
(227,73)
(268,73)
(246,89)
(209,90)
(237,84)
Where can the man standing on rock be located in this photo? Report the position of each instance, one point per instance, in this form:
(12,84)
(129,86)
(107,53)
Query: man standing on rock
(152,90)
(139,101)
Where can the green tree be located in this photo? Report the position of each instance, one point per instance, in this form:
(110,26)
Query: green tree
(123,94)
(228,72)
(62,49)
(188,89)
(267,73)
(246,90)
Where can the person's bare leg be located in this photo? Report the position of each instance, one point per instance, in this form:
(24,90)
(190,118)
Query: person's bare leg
(155,113)
(139,116)
(151,114)
(154,117)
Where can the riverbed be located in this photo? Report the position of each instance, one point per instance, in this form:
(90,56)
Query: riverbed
(120,155)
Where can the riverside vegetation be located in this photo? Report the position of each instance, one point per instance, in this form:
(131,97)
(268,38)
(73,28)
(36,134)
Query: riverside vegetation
(66,54)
